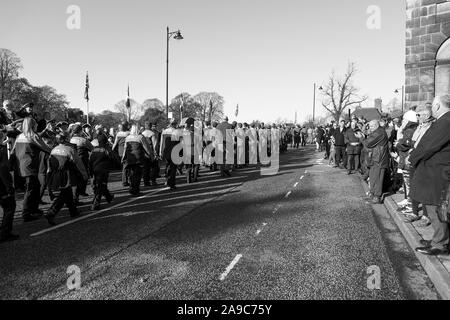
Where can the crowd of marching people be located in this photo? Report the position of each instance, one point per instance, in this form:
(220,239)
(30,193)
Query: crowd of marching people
(410,154)
(42,155)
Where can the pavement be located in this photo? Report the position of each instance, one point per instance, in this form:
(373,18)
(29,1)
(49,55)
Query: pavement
(304,233)
(437,268)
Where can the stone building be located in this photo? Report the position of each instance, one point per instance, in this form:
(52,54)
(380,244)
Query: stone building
(427,50)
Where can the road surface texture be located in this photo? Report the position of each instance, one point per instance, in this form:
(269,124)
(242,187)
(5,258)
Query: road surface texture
(305,233)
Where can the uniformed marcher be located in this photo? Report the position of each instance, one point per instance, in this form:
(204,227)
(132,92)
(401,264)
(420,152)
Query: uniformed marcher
(119,147)
(150,167)
(84,147)
(225,128)
(27,148)
(7,196)
(193,164)
(137,151)
(100,164)
(169,139)
(64,167)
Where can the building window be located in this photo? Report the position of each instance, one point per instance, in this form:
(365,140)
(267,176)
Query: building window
(442,73)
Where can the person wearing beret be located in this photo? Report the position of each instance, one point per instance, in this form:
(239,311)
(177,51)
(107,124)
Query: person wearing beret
(431,160)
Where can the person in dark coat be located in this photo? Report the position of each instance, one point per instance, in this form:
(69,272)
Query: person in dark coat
(7,195)
(170,138)
(225,128)
(151,167)
(353,138)
(100,164)
(27,148)
(138,151)
(377,144)
(339,144)
(64,166)
(84,147)
(431,160)
(48,139)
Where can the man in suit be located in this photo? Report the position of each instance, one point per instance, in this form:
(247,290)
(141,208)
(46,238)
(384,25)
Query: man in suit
(431,160)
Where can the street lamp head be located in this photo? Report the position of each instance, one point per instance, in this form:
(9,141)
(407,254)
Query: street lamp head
(321,88)
(396,91)
(178,36)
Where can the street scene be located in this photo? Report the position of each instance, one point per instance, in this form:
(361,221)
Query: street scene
(179,158)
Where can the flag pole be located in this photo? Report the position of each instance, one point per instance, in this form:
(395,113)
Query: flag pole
(87,107)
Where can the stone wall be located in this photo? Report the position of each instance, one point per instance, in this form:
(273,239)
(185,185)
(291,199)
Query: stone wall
(427,28)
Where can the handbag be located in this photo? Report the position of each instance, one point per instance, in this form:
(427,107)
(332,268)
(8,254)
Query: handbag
(444,208)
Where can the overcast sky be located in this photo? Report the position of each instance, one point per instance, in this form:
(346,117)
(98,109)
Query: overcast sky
(263,55)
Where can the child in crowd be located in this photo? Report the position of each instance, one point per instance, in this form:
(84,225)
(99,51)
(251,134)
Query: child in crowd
(332,152)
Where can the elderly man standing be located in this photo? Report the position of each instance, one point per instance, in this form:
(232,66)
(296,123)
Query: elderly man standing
(431,160)
(377,145)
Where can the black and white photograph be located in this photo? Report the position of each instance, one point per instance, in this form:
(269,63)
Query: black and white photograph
(224,156)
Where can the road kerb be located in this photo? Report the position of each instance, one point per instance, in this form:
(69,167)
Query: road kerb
(432,265)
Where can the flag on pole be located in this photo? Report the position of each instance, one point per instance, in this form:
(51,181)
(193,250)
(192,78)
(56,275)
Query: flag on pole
(237,110)
(86,90)
(128,103)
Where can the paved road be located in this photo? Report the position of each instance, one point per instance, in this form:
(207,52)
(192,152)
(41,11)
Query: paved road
(305,233)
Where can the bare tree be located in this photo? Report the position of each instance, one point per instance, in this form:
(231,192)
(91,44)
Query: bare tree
(153,104)
(211,105)
(340,93)
(135,110)
(10,65)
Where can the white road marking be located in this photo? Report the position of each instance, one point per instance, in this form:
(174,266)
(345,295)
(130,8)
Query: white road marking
(230,267)
(295,185)
(264,224)
(288,194)
(258,231)
(306,171)
(301,178)
(93,214)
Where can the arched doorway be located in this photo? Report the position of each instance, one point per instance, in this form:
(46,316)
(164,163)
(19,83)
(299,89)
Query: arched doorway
(442,72)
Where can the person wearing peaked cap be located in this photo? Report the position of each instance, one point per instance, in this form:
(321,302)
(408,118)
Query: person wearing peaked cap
(26,110)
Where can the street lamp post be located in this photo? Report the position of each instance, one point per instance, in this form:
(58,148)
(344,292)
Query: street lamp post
(403,96)
(176,35)
(314,101)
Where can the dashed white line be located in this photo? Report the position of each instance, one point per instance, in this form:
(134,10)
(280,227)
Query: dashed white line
(264,224)
(258,231)
(95,213)
(230,267)
(288,194)
(301,178)
(295,185)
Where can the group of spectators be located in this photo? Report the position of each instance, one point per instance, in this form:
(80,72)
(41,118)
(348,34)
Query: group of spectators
(409,154)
